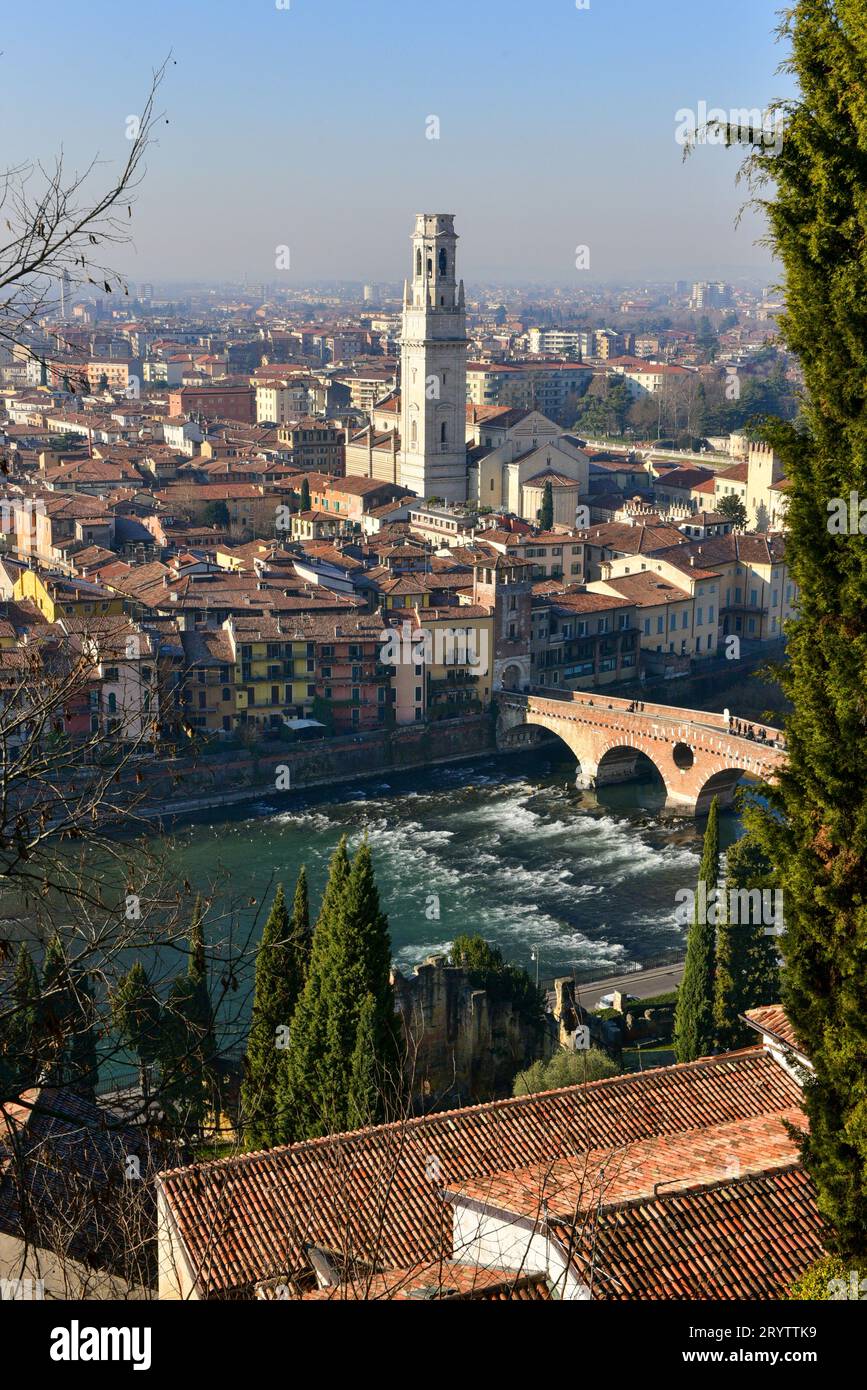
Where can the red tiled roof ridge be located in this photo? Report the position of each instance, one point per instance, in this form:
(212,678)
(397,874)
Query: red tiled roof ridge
(627,1079)
(772,1169)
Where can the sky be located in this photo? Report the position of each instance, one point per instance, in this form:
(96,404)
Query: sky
(307,127)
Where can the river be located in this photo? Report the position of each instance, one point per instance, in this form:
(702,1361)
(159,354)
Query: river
(506,847)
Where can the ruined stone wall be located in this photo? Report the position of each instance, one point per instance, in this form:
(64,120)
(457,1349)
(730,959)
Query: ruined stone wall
(462,1045)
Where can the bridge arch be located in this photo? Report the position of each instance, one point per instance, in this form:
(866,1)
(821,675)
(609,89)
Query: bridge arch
(723,784)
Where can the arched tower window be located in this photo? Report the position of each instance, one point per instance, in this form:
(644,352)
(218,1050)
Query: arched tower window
(444,433)
(444,262)
(414,434)
(429,268)
(418,263)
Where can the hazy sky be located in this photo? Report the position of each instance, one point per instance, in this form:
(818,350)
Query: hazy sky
(306,127)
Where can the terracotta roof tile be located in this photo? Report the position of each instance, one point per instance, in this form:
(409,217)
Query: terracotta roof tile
(246,1219)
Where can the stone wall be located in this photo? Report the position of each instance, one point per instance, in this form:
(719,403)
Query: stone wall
(462,1045)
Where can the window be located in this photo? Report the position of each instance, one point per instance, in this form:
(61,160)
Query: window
(647,627)
(660,624)
(710,612)
(444,262)
(684,622)
(418,693)
(699,617)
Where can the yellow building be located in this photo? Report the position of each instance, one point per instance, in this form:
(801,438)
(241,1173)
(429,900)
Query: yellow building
(59,597)
(459,658)
(274,675)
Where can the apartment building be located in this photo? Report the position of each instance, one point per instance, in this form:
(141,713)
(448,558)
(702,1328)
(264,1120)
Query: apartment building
(582,640)
(672,620)
(459,649)
(60,596)
(228,400)
(207,687)
(280,400)
(315,446)
(124,702)
(308,666)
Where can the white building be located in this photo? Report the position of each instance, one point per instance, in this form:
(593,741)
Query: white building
(433,459)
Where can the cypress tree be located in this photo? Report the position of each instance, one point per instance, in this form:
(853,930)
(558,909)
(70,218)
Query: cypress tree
(281,964)
(747,970)
(365,1098)
(304,1091)
(188,1049)
(362,967)
(304,504)
(197,964)
(83,1056)
(693,1022)
(815,828)
(546,511)
(342,1048)
(137,1017)
(56,1013)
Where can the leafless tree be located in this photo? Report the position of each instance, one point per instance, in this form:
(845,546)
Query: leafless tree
(57,225)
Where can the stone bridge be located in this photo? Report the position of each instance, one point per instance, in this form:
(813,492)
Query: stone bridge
(697,754)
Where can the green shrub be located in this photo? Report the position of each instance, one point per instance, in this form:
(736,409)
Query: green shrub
(814,1286)
(564,1069)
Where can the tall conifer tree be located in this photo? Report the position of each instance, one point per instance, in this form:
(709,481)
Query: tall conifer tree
(747,970)
(342,1045)
(693,1022)
(305,1094)
(19,1063)
(815,829)
(281,967)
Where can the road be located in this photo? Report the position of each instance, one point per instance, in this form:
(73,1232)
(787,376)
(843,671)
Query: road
(644,984)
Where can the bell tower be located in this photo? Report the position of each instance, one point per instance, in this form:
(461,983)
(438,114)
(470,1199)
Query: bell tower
(433,377)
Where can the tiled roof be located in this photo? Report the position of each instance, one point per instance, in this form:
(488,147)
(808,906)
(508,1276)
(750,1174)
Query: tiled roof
(742,1239)
(773,1019)
(246,1219)
(609,1175)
